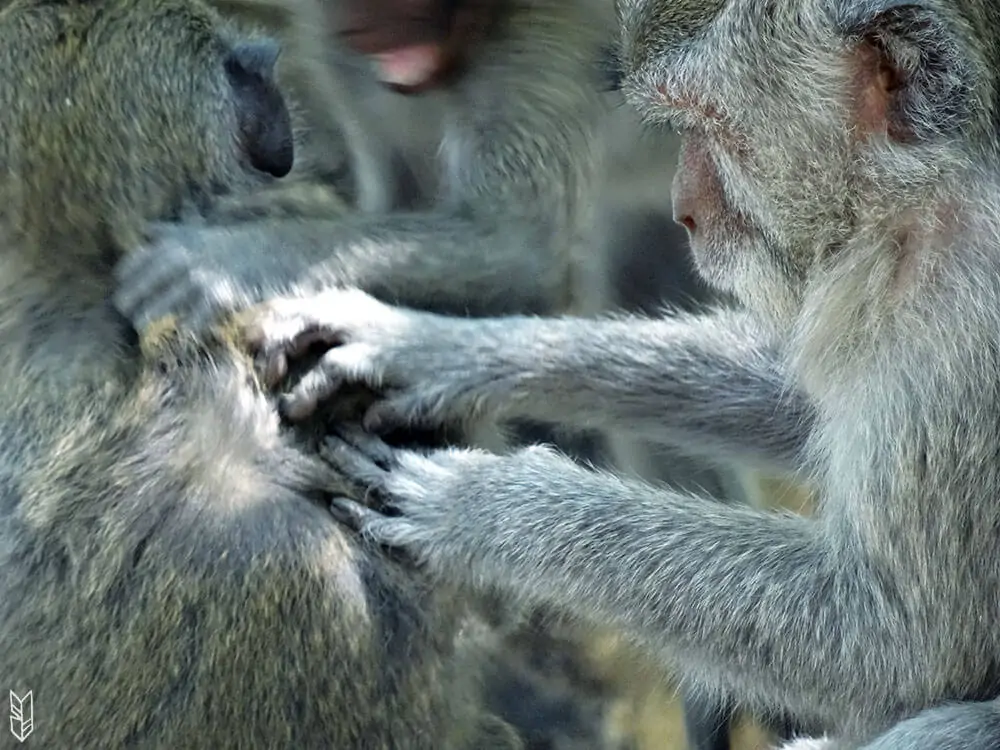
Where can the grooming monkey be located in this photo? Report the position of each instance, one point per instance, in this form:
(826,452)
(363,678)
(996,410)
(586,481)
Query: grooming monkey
(504,205)
(517,76)
(170,577)
(515,175)
(839,174)
(515,87)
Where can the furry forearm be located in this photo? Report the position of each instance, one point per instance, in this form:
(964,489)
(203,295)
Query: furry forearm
(711,384)
(445,263)
(441,262)
(761,604)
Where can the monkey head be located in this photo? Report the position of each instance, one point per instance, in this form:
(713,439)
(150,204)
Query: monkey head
(801,118)
(171,107)
(415,45)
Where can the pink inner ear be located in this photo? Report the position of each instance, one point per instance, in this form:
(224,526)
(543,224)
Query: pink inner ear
(874,81)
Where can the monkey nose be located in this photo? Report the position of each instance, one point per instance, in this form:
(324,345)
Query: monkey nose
(686,220)
(684,210)
(696,191)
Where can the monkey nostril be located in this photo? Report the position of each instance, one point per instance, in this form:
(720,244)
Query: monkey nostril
(685,207)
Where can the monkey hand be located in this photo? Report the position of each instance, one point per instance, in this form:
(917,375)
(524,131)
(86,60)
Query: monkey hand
(180,274)
(429,506)
(421,364)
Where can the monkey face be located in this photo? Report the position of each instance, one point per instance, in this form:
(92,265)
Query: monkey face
(416,45)
(172,107)
(798,118)
(263,122)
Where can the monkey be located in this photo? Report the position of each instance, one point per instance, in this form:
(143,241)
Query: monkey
(171,575)
(838,175)
(195,268)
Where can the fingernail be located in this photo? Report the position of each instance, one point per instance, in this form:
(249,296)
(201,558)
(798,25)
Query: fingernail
(341,514)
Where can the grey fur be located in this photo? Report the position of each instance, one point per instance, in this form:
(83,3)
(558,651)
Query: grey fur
(954,726)
(868,359)
(968,726)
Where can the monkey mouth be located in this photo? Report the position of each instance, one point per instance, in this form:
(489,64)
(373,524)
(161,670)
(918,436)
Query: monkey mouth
(412,67)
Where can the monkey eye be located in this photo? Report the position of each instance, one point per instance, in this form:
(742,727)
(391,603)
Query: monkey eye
(263,121)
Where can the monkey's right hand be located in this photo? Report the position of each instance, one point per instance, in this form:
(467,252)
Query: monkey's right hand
(426,367)
(182,272)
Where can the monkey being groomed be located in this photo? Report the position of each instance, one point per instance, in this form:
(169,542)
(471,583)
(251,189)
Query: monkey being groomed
(172,577)
(840,175)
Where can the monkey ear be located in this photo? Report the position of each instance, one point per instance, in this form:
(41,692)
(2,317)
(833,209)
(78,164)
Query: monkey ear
(261,112)
(916,80)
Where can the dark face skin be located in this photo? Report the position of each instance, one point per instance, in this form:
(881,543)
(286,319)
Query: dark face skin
(417,45)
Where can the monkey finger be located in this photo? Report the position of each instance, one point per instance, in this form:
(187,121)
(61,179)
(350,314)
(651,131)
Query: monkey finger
(143,271)
(351,514)
(273,354)
(272,368)
(325,379)
(384,455)
(397,412)
(391,533)
(310,336)
(131,294)
(354,463)
(296,408)
(292,337)
(176,301)
(305,398)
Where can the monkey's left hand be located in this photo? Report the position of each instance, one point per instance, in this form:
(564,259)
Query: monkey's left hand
(432,506)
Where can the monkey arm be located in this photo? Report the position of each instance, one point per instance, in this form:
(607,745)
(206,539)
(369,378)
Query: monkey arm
(713,384)
(447,263)
(969,726)
(786,611)
(440,261)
